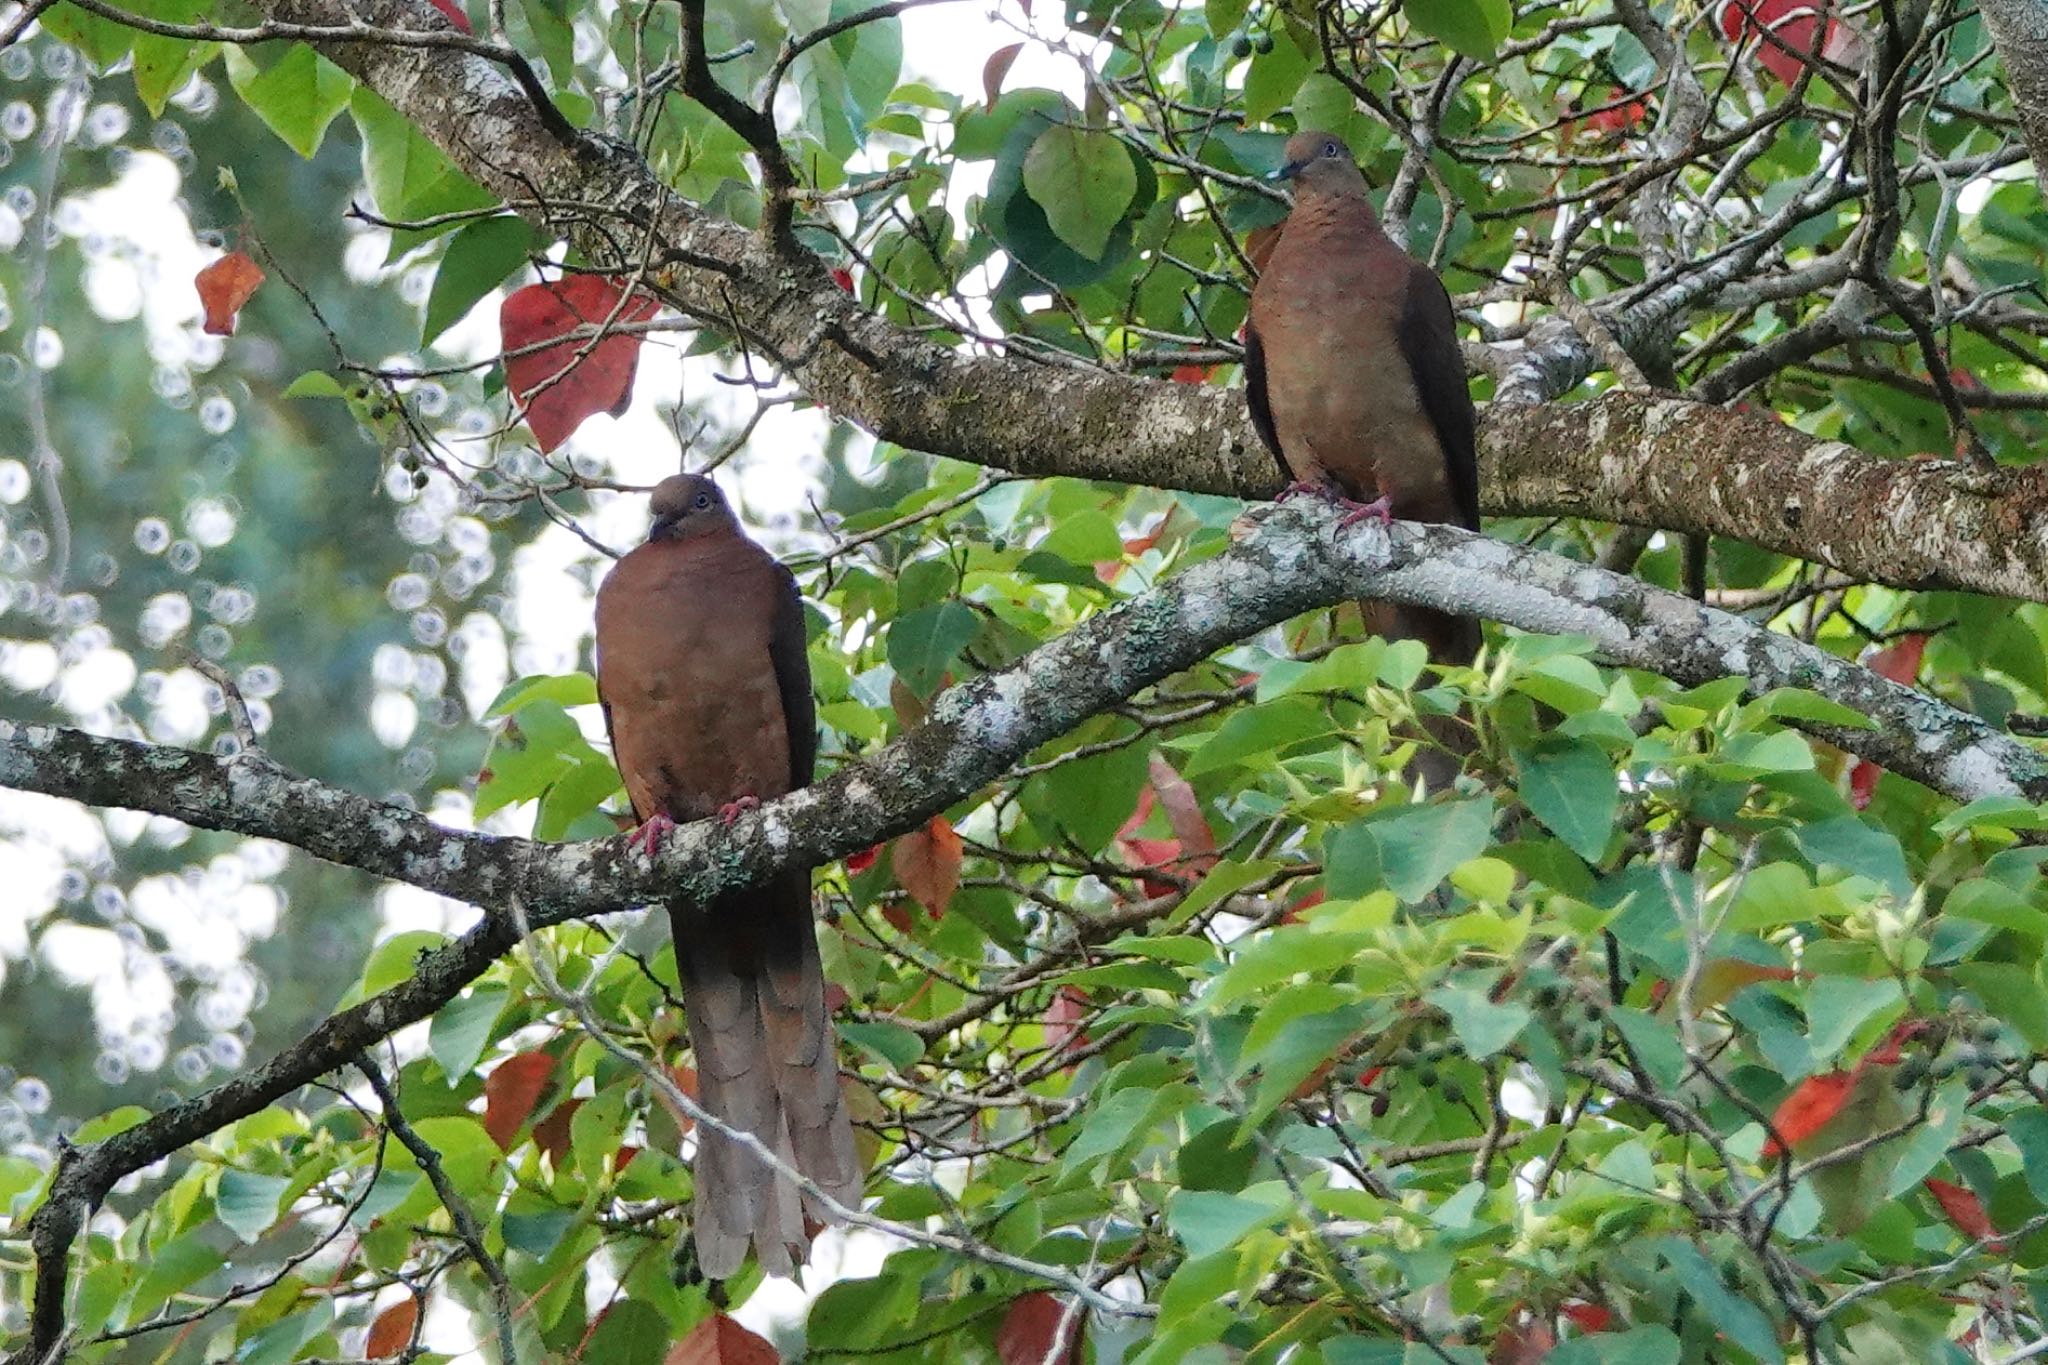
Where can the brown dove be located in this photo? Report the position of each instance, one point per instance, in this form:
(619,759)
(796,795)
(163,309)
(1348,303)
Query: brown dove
(706,692)
(1355,377)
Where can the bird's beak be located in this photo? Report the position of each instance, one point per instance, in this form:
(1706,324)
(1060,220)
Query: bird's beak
(1289,171)
(662,526)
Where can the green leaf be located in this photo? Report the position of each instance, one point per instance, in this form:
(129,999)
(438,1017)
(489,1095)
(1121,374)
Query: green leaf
(1836,1005)
(177,1264)
(924,643)
(315,384)
(1208,1222)
(247,1203)
(1482,1026)
(1083,180)
(393,960)
(1653,1042)
(2012,992)
(478,259)
(1475,28)
(459,1033)
(101,41)
(2028,1129)
(1223,16)
(409,177)
(1796,703)
(1570,785)
(891,1044)
(563,689)
(297,96)
(1254,730)
(1409,852)
(163,64)
(1742,1321)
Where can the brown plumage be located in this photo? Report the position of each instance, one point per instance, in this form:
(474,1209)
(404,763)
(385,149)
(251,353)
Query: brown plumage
(707,695)
(1354,373)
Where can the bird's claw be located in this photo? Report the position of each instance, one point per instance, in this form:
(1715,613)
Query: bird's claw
(649,835)
(1380,509)
(1302,488)
(732,810)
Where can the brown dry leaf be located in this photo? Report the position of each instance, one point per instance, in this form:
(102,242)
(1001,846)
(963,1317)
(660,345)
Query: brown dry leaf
(927,863)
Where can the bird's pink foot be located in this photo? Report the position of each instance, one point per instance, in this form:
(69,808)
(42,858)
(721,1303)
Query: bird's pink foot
(1380,509)
(652,830)
(1302,488)
(732,810)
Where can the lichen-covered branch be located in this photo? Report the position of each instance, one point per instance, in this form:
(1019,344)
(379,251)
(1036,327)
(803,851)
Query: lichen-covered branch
(1296,560)
(1034,418)
(2019,30)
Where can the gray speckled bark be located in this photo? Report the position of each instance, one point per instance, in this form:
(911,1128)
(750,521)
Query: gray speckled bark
(2019,30)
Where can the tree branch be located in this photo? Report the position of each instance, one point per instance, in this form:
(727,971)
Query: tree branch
(1297,559)
(1026,417)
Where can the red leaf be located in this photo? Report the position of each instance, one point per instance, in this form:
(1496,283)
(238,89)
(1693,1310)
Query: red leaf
(927,863)
(1063,1017)
(551,1134)
(455,14)
(863,860)
(1192,374)
(599,382)
(626,1155)
(1900,662)
(1589,1317)
(1038,1331)
(686,1081)
(223,288)
(1808,1109)
(842,277)
(1965,1210)
(1781,33)
(1183,807)
(995,69)
(510,1093)
(391,1330)
(718,1340)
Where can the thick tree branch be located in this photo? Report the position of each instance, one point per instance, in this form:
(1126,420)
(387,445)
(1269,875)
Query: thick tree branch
(1297,560)
(1037,419)
(2019,30)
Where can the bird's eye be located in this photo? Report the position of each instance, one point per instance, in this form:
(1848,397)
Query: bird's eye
(702,501)
(1331,148)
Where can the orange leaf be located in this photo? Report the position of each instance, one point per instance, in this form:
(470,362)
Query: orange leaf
(927,863)
(1192,374)
(510,1093)
(686,1081)
(1965,1210)
(1038,1331)
(601,381)
(718,1340)
(1808,1109)
(551,1134)
(1183,807)
(223,288)
(391,1330)
(995,69)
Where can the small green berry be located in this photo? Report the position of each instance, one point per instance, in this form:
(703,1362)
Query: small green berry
(1264,43)
(1241,47)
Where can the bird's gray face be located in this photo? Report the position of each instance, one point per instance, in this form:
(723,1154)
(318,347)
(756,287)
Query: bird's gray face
(1320,162)
(688,505)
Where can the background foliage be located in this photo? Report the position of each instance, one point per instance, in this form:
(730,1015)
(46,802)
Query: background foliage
(1202,1004)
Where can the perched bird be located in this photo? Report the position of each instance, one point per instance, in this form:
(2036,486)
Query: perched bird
(707,695)
(1355,377)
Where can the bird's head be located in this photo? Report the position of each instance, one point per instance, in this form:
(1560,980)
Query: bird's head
(688,505)
(1319,162)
